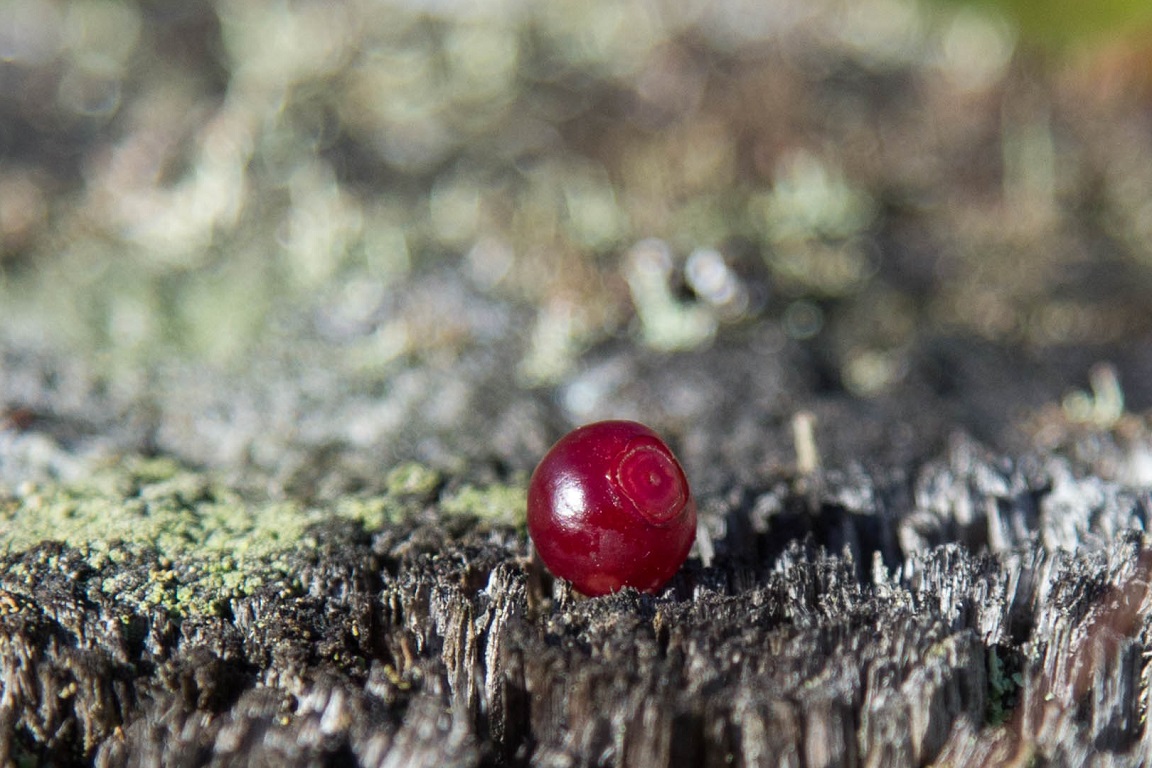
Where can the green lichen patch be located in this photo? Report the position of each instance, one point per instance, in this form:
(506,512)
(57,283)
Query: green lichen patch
(149,533)
(499,504)
(413,479)
(1004,683)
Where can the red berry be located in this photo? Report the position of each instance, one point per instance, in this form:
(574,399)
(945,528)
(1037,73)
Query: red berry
(609,507)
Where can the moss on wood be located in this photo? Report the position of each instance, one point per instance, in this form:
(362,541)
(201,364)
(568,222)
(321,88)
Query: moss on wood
(150,617)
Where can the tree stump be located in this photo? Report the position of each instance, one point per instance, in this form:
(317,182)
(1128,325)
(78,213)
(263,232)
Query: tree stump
(833,621)
(294,295)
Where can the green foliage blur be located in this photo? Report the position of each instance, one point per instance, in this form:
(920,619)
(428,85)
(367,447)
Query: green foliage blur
(1058,25)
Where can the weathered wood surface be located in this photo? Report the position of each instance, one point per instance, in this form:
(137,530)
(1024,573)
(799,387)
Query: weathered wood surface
(843,625)
(282,249)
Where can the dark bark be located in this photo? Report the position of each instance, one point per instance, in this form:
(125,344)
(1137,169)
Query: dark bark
(838,626)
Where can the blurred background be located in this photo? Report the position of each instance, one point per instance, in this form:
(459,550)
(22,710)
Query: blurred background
(303,241)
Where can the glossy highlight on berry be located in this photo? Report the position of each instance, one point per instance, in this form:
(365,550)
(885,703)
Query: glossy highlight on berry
(609,507)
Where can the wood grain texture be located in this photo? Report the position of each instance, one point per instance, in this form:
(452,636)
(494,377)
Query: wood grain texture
(839,626)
